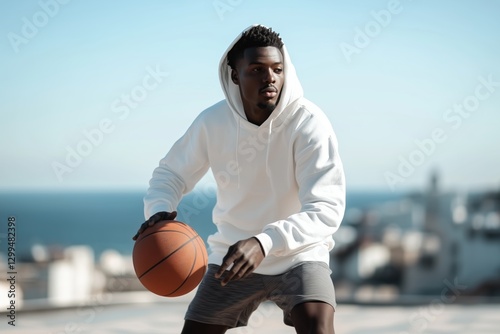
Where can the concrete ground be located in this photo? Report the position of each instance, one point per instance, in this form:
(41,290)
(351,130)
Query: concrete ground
(120,315)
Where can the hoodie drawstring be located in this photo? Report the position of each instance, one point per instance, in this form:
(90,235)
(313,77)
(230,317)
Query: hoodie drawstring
(268,171)
(237,145)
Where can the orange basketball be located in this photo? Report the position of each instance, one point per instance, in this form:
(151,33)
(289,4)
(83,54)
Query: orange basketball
(170,258)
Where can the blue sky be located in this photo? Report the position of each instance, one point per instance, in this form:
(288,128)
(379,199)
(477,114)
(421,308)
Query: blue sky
(409,86)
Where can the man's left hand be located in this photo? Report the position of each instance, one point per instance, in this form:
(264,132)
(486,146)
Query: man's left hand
(245,256)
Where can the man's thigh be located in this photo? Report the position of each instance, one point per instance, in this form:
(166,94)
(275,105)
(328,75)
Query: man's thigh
(228,306)
(307,282)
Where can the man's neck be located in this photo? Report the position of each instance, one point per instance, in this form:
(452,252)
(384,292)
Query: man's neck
(257,117)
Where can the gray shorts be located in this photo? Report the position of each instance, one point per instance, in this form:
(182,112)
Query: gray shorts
(232,305)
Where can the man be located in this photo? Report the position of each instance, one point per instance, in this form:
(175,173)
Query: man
(280,193)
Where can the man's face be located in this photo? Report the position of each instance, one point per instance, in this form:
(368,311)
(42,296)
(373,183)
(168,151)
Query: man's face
(259,75)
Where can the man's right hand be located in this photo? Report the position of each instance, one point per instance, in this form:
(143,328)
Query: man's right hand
(157,217)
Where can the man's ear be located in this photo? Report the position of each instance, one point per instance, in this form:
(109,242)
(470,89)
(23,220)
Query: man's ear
(234,77)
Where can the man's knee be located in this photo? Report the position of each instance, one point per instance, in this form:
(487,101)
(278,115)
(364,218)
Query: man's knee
(313,318)
(194,327)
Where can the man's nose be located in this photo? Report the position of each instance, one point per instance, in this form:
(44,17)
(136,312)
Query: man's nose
(269,76)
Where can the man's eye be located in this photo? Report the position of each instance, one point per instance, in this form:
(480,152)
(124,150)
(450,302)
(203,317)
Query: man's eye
(278,70)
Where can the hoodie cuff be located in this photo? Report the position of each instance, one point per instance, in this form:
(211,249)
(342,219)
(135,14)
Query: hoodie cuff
(270,241)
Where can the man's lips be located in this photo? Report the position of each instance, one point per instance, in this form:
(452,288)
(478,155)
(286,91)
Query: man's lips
(269,91)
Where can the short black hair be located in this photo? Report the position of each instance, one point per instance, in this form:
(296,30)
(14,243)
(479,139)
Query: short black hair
(258,36)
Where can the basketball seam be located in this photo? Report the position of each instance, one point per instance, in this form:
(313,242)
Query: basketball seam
(150,234)
(164,231)
(166,257)
(201,244)
(188,275)
(179,224)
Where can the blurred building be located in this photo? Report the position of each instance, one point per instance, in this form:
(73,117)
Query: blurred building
(423,243)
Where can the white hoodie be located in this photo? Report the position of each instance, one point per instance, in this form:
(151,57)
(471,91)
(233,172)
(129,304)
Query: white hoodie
(281,182)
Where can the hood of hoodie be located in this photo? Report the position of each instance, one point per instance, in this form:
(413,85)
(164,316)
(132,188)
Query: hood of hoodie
(291,91)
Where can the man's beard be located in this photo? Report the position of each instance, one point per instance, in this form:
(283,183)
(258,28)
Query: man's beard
(269,107)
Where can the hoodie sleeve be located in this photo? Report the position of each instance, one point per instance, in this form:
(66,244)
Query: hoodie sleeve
(320,178)
(179,171)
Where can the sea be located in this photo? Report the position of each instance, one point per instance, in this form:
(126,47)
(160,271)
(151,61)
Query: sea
(108,220)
